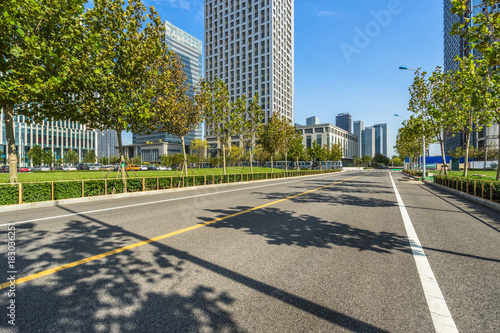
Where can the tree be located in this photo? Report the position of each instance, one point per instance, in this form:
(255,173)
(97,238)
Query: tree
(89,157)
(317,153)
(482,31)
(456,153)
(236,155)
(175,112)
(71,157)
(222,118)
(366,160)
(48,157)
(271,137)
(252,126)
(122,69)
(199,146)
(381,159)
(335,152)
(39,44)
(289,134)
(297,149)
(35,154)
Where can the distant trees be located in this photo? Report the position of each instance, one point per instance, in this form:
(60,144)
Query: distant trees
(89,157)
(71,157)
(35,154)
(199,147)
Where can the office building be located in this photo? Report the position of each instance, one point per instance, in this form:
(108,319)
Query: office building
(344,121)
(107,140)
(189,50)
(327,135)
(358,127)
(57,136)
(368,141)
(312,121)
(373,139)
(380,139)
(249,45)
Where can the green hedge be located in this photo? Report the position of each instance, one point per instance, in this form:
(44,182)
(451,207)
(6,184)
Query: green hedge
(67,190)
(35,192)
(9,194)
(472,185)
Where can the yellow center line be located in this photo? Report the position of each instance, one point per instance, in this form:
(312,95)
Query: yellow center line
(155,239)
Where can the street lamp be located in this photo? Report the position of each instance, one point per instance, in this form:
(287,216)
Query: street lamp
(423,160)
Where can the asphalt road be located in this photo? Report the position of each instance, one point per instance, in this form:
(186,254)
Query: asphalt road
(327,253)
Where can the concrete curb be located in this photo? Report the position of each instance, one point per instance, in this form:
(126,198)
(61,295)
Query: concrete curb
(472,198)
(44,204)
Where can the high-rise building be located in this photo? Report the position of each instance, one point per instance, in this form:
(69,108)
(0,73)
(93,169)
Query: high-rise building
(189,50)
(57,136)
(107,140)
(344,121)
(380,139)
(368,142)
(312,121)
(358,126)
(249,45)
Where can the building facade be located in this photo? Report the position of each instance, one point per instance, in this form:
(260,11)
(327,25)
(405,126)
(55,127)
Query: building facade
(380,139)
(107,140)
(327,135)
(57,136)
(358,127)
(249,45)
(189,50)
(344,121)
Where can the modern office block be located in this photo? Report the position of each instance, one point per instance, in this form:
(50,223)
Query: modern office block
(312,121)
(358,127)
(250,46)
(189,50)
(57,136)
(344,121)
(368,140)
(380,139)
(327,135)
(107,140)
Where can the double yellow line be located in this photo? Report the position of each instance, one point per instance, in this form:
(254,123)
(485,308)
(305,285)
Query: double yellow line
(155,239)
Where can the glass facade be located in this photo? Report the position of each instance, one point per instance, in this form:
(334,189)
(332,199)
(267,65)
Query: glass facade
(189,50)
(57,136)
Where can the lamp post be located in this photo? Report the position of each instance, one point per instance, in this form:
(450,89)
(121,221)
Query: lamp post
(423,141)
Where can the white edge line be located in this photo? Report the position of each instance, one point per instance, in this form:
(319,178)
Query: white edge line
(441,316)
(150,202)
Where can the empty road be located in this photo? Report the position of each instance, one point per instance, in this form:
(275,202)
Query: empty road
(347,252)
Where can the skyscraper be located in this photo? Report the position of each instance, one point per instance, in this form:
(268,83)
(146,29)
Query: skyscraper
(358,126)
(189,50)
(380,139)
(249,44)
(344,121)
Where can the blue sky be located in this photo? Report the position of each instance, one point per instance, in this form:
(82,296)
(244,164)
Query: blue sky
(347,54)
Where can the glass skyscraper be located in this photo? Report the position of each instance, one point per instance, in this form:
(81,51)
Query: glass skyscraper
(189,50)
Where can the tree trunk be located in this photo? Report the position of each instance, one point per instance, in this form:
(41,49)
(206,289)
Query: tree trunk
(466,164)
(251,154)
(272,169)
(184,164)
(120,152)
(286,161)
(441,143)
(498,167)
(298,168)
(8,112)
(224,158)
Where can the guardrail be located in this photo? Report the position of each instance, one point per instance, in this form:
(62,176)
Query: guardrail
(16,194)
(486,189)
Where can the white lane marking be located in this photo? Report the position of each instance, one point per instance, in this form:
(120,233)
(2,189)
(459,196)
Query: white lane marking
(153,202)
(441,316)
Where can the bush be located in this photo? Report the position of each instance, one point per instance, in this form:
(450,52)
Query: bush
(115,186)
(151,184)
(134,185)
(164,183)
(200,180)
(67,190)
(9,194)
(35,192)
(94,187)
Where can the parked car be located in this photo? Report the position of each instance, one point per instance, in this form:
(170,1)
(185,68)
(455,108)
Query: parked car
(143,168)
(69,168)
(44,168)
(83,166)
(24,169)
(4,168)
(152,168)
(163,168)
(133,167)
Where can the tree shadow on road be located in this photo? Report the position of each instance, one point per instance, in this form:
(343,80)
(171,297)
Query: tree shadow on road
(282,227)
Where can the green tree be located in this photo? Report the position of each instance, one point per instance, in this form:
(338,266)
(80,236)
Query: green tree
(89,157)
(335,152)
(114,160)
(252,126)
(271,137)
(366,160)
(35,154)
(48,157)
(297,149)
(122,69)
(236,155)
(39,44)
(222,118)
(71,157)
(199,146)
(289,134)
(381,159)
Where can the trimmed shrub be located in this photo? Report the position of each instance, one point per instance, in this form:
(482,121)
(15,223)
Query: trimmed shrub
(188,181)
(35,192)
(151,184)
(164,183)
(67,190)
(200,180)
(217,179)
(9,194)
(176,181)
(94,187)
(115,186)
(134,185)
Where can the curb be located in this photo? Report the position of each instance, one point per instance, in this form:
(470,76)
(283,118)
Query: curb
(469,197)
(44,204)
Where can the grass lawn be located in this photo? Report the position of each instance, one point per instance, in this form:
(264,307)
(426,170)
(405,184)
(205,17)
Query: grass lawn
(486,173)
(79,175)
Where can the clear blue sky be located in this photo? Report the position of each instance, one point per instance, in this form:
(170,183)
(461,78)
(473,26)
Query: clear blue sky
(338,71)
